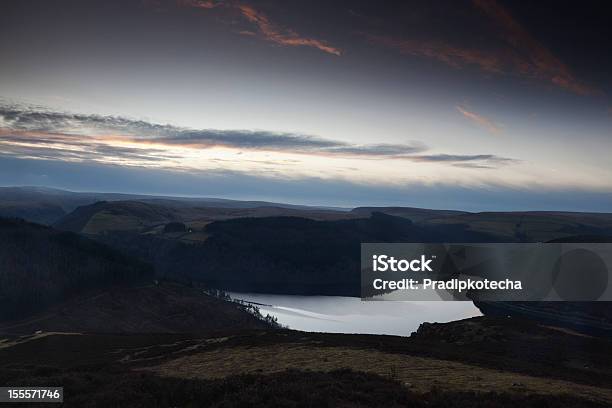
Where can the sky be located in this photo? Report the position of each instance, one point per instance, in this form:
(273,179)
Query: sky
(475,105)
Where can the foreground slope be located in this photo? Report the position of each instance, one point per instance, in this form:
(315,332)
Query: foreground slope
(477,362)
(155,308)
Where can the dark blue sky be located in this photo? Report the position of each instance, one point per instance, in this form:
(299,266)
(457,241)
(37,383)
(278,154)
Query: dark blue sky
(460,104)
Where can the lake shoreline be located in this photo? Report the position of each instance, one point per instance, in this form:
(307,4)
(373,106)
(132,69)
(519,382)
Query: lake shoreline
(343,314)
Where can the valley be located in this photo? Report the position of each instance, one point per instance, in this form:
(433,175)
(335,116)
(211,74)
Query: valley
(126,297)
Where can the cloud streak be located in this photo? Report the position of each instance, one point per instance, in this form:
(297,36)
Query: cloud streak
(475,161)
(272,32)
(456,57)
(24,129)
(480,120)
(537,60)
(267,29)
(517,53)
(60,126)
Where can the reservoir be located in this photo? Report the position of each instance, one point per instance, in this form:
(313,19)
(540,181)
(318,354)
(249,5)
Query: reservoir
(339,314)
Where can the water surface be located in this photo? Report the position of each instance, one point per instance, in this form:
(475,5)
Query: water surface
(338,314)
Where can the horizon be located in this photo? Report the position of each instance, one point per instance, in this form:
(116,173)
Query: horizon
(296,204)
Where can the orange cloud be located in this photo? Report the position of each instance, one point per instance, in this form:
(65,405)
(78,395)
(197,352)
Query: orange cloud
(538,61)
(268,30)
(45,134)
(520,53)
(272,33)
(480,120)
(454,56)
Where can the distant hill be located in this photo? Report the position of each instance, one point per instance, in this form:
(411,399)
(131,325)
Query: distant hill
(414,214)
(282,254)
(532,226)
(47,205)
(95,213)
(39,212)
(116,216)
(151,216)
(296,255)
(519,226)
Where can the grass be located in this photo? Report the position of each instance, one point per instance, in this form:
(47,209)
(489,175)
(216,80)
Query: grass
(103,221)
(478,362)
(420,374)
(96,387)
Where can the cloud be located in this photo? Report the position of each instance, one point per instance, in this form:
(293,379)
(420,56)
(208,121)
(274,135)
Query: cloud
(266,28)
(490,158)
(538,61)
(474,161)
(273,33)
(26,130)
(517,53)
(383,150)
(480,120)
(55,146)
(61,127)
(453,56)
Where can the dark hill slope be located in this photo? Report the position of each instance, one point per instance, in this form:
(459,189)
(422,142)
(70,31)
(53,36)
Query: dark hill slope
(45,205)
(532,226)
(288,255)
(120,215)
(517,226)
(153,308)
(40,266)
(414,214)
(587,317)
(60,281)
(150,216)
(40,212)
(48,205)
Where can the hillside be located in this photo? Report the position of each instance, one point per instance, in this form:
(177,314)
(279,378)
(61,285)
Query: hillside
(151,216)
(297,251)
(60,281)
(519,226)
(116,216)
(45,205)
(288,255)
(479,362)
(48,205)
(95,213)
(414,214)
(40,266)
(532,226)
(152,308)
